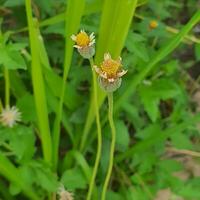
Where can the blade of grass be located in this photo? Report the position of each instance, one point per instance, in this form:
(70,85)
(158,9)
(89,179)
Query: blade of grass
(115,22)
(38,87)
(11,173)
(73,16)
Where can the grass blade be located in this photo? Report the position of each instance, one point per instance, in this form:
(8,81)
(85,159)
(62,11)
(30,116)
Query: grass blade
(73,16)
(38,87)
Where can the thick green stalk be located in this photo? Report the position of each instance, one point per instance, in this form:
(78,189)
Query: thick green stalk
(73,16)
(7,88)
(38,86)
(99,134)
(112,148)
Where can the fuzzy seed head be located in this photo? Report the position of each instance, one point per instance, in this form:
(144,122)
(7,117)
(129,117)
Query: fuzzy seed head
(10,116)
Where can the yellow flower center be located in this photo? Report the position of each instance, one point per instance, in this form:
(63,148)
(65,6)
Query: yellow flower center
(82,39)
(110,67)
(153,24)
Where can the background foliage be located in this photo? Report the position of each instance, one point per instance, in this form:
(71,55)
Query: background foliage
(156,108)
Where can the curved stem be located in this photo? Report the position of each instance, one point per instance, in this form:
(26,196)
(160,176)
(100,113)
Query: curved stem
(112,148)
(99,134)
(7,87)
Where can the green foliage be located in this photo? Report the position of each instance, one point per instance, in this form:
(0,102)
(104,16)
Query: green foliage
(155,109)
(10,56)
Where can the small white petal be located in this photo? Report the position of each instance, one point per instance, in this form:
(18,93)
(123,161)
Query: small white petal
(78,47)
(107,56)
(121,73)
(92,42)
(73,37)
(92,36)
(111,80)
(97,69)
(119,59)
(103,75)
(10,116)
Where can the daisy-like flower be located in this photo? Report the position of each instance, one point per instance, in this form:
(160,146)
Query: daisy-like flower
(110,73)
(10,116)
(84,44)
(64,194)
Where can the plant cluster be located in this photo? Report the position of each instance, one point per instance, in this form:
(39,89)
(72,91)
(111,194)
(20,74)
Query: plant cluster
(59,136)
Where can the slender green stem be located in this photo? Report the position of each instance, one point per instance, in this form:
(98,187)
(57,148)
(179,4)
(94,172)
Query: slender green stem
(1,106)
(7,87)
(112,148)
(99,134)
(56,130)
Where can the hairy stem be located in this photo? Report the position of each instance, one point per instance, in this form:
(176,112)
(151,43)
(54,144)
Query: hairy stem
(112,148)
(7,88)
(99,134)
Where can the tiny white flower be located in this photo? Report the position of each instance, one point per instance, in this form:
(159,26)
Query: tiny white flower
(10,116)
(110,73)
(84,43)
(64,194)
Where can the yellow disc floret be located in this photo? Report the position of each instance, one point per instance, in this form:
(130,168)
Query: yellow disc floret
(110,67)
(153,24)
(82,39)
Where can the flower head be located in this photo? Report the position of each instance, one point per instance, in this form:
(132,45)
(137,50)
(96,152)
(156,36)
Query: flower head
(110,73)
(10,116)
(84,43)
(64,194)
(153,24)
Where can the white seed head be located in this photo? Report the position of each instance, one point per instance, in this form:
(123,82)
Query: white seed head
(10,116)
(64,194)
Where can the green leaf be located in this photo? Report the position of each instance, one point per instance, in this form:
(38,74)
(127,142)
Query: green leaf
(26,106)
(197,51)
(47,179)
(153,93)
(11,58)
(13,3)
(113,195)
(39,173)
(11,173)
(149,131)
(22,141)
(74,179)
(135,45)
(14,189)
(122,136)
(185,141)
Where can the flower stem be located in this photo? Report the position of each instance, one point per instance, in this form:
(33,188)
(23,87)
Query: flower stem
(99,134)
(7,87)
(112,148)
